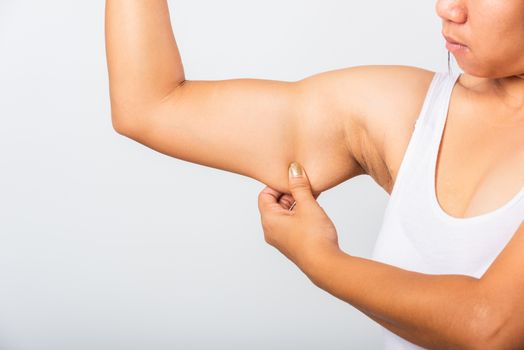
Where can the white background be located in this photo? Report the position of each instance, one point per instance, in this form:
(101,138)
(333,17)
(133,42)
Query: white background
(106,244)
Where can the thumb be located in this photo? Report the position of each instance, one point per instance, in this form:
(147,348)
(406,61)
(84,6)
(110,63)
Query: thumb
(299,184)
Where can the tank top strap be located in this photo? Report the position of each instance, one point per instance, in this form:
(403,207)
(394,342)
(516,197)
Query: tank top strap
(426,129)
(434,112)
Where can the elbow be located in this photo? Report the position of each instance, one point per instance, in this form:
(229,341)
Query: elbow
(488,332)
(503,337)
(483,339)
(490,340)
(122,126)
(125,115)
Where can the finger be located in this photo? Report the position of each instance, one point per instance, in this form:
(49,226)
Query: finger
(299,185)
(272,192)
(286,200)
(268,197)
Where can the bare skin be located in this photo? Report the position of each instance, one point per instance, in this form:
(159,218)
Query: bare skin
(257,127)
(331,122)
(482,149)
(483,141)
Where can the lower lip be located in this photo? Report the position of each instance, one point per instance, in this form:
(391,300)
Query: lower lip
(457,48)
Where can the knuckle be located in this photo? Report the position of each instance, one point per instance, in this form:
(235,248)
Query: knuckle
(265,225)
(260,200)
(300,187)
(267,232)
(268,238)
(297,184)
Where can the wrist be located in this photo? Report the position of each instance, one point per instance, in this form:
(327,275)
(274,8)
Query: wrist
(320,263)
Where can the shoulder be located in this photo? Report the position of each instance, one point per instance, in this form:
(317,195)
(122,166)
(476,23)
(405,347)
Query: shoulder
(388,103)
(374,106)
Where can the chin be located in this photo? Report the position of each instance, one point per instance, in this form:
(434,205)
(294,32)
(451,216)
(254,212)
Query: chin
(484,68)
(478,70)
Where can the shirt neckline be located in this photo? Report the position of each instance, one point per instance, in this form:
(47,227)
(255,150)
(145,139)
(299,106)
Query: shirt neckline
(437,209)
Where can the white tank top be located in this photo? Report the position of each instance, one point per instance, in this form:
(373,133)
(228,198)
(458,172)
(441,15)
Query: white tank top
(416,233)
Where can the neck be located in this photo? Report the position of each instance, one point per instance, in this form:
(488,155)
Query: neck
(509,90)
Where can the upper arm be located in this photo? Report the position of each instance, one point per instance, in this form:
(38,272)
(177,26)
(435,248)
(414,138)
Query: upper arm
(503,288)
(253,127)
(338,124)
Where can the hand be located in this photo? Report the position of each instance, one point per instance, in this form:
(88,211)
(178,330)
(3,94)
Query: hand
(302,233)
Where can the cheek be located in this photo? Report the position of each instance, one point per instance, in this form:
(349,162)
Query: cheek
(483,57)
(506,46)
(503,30)
(494,42)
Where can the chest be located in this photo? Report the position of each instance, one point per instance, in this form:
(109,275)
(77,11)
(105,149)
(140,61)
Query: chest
(480,160)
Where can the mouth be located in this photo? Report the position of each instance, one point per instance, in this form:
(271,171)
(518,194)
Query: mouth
(455,46)
(452,41)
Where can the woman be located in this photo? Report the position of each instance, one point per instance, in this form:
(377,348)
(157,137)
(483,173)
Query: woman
(447,267)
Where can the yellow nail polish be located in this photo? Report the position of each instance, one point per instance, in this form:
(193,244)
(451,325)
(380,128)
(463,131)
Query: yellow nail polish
(295,169)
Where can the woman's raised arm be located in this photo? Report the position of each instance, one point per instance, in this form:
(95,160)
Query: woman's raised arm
(330,122)
(252,127)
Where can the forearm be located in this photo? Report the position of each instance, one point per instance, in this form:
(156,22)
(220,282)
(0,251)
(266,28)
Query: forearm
(143,60)
(432,311)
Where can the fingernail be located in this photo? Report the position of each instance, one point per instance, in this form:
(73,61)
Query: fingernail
(295,169)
